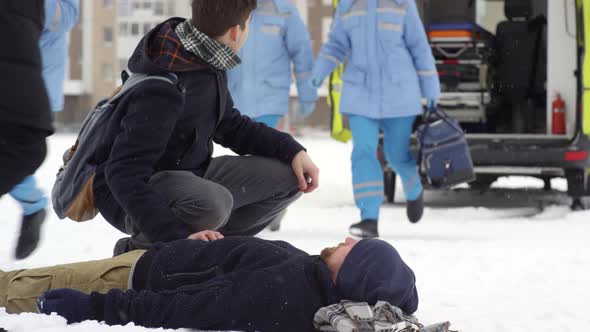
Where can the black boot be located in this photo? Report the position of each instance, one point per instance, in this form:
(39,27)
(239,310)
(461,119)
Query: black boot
(127,244)
(415,209)
(30,232)
(275,225)
(122,246)
(366,229)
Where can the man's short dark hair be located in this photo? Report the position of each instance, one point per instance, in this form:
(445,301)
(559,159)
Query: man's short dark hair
(215,17)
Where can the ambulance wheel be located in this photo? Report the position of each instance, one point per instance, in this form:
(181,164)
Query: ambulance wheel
(389,185)
(580,204)
(547,184)
(483,182)
(577,189)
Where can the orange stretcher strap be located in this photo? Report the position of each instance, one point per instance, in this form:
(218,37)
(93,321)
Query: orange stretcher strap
(451,34)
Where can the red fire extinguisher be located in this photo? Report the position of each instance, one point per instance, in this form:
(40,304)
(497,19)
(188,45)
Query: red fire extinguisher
(558,116)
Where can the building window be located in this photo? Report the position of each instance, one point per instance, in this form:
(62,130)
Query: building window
(107,72)
(170,8)
(136,5)
(147,4)
(123,8)
(108,35)
(135,29)
(123,29)
(146,28)
(159,8)
(107,3)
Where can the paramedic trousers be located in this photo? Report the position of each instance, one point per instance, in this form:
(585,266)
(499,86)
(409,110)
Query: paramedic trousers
(20,289)
(237,196)
(30,197)
(367,174)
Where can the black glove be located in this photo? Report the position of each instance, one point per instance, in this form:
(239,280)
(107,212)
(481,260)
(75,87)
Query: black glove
(71,304)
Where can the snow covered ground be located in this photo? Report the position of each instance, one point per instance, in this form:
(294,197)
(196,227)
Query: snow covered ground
(506,265)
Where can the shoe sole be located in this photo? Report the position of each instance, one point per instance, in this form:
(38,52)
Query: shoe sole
(361,234)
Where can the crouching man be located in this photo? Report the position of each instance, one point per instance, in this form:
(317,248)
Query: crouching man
(156,179)
(215,283)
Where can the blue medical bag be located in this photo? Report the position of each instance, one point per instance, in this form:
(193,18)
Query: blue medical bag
(444,157)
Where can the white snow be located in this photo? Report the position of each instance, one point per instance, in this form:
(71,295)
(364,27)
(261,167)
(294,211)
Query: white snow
(507,265)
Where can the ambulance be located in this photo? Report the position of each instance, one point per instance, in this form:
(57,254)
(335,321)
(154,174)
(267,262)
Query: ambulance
(516,75)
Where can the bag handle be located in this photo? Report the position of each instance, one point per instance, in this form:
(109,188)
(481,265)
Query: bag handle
(427,120)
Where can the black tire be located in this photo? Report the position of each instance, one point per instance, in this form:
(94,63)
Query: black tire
(483,182)
(547,184)
(389,179)
(580,203)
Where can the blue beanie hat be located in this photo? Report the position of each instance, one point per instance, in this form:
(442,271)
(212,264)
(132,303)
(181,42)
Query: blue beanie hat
(374,271)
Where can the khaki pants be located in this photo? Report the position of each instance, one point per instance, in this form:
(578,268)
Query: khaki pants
(20,289)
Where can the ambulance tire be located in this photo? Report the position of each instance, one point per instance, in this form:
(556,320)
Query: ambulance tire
(389,180)
(483,182)
(580,203)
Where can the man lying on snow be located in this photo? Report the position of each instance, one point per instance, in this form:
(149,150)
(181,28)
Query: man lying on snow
(215,283)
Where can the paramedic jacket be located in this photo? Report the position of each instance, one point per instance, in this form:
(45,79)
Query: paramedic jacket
(61,16)
(260,86)
(390,65)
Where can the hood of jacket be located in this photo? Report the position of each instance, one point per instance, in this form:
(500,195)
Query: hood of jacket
(160,51)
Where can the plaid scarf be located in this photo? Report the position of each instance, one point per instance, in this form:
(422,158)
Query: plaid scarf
(206,48)
(348,316)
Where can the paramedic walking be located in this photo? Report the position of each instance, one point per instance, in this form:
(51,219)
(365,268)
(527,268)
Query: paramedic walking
(60,18)
(389,68)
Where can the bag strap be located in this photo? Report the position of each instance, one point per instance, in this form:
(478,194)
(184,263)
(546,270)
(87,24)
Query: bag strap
(135,79)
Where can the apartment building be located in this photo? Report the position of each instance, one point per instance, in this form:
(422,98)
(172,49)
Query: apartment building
(137,17)
(93,59)
(101,43)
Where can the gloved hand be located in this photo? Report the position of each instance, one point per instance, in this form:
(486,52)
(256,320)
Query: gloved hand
(431,105)
(315,82)
(305,108)
(71,304)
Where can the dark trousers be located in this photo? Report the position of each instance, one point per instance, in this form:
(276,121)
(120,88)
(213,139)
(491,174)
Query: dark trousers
(236,196)
(23,100)
(22,151)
